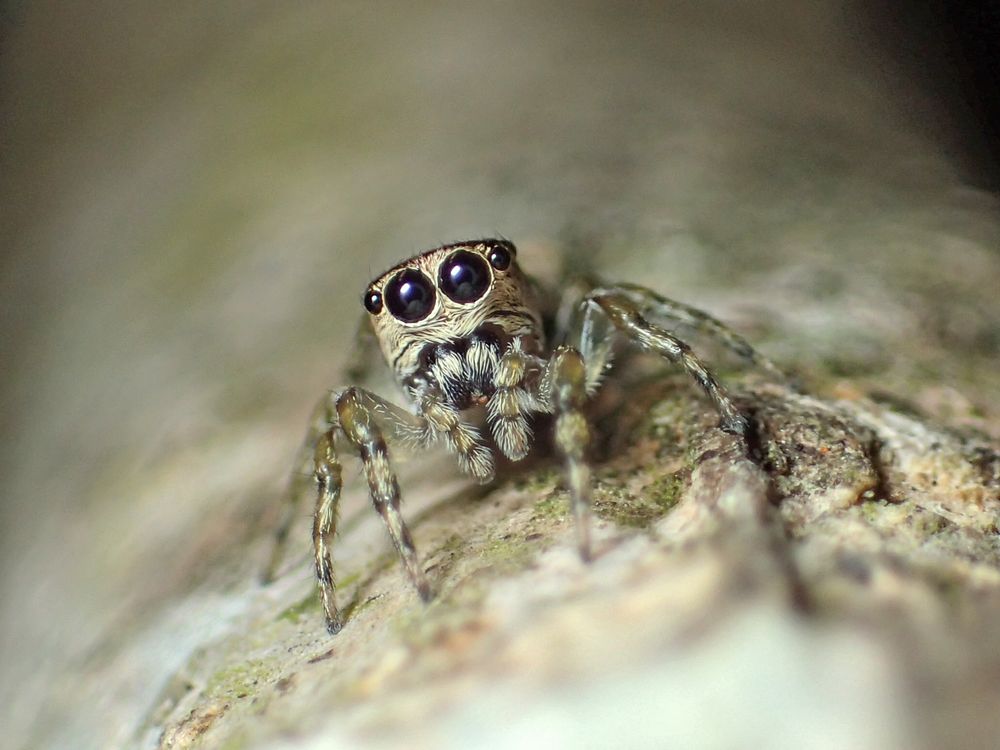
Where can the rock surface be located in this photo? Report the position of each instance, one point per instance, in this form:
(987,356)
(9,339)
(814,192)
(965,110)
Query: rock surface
(197,199)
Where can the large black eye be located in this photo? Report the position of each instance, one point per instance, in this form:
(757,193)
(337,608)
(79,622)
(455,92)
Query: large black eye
(409,296)
(464,277)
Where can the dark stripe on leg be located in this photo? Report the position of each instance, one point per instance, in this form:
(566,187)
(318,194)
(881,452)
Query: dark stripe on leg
(624,315)
(328,480)
(361,429)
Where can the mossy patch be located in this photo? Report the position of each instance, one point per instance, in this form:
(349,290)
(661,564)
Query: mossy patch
(638,511)
(508,552)
(538,482)
(555,505)
(306,607)
(309,605)
(450,547)
(666,491)
(238,741)
(237,681)
(926,524)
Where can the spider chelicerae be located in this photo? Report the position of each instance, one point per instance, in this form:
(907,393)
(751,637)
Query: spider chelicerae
(479,347)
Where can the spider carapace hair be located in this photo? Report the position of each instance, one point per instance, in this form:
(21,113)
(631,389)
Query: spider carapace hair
(461,327)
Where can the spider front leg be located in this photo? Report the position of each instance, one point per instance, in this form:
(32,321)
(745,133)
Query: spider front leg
(566,383)
(356,416)
(359,362)
(627,318)
(364,420)
(512,401)
(445,421)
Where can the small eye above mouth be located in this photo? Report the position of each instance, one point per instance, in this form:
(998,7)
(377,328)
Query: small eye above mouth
(464,277)
(409,295)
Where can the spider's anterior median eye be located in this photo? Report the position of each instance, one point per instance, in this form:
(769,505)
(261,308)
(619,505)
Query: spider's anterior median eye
(373,302)
(464,277)
(409,296)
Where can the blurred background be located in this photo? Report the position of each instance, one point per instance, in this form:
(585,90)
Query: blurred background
(194,195)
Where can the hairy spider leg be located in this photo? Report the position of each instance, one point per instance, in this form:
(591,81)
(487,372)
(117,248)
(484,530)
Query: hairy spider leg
(442,420)
(303,478)
(651,303)
(328,485)
(626,317)
(512,401)
(595,335)
(566,383)
(357,414)
(401,428)
(366,421)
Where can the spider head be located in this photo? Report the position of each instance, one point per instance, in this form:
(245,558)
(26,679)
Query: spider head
(449,294)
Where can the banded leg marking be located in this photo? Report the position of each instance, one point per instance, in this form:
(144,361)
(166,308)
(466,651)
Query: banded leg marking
(626,318)
(323,417)
(508,408)
(361,429)
(328,483)
(462,439)
(567,386)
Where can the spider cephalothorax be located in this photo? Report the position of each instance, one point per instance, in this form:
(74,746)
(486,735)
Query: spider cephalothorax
(452,296)
(462,329)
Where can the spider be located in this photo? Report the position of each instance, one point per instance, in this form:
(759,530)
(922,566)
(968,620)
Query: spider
(466,334)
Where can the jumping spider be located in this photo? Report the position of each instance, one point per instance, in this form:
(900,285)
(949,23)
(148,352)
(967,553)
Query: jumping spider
(462,326)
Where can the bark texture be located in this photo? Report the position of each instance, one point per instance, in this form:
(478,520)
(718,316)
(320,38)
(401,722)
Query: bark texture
(195,200)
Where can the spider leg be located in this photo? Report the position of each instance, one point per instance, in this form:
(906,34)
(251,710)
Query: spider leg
(595,335)
(328,486)
(566,384)
(356,410)
(650,303)
(511,402)
(303,476)
(402,428)
(445,421)
(626,316)
(365,421)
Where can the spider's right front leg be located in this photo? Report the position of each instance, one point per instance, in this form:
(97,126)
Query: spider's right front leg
(355,413)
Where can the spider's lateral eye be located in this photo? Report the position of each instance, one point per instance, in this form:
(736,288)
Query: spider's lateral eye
(464,276)
(500,256)
(409,295)
(373,302)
